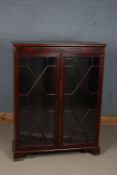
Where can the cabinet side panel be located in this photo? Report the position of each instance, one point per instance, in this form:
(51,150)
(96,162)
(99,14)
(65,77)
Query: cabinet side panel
(16,99)
(101,76)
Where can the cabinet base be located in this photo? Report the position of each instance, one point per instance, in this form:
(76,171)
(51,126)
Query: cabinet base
(17,155)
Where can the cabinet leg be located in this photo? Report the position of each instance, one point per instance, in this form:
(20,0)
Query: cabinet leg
(94,151)
(19,156)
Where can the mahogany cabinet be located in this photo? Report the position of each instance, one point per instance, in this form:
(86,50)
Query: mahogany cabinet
(58,90)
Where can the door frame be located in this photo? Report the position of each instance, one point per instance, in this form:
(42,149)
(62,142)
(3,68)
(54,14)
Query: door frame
(17,144)
(99,98)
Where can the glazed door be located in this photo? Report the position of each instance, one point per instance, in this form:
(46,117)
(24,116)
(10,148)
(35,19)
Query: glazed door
(37,100)
(81,77)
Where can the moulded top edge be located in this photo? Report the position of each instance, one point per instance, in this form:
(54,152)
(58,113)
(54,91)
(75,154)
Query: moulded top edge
(57,44)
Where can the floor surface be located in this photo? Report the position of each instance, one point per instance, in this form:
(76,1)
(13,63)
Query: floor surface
(73,163)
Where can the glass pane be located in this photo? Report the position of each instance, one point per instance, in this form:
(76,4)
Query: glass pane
(37,100)
(80,95)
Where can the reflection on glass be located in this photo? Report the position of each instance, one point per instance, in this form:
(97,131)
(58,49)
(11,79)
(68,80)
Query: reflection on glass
(80,105)
(37,100)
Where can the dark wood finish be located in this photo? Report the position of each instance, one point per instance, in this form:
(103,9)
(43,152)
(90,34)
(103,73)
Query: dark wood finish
(48,70)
